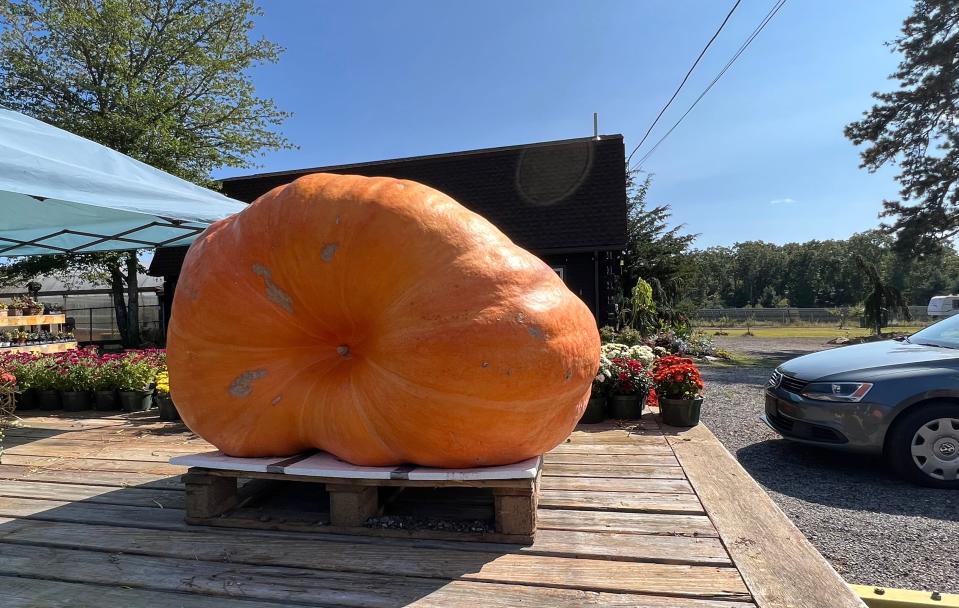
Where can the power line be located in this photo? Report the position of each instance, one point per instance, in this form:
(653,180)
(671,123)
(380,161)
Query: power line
(685,78)
(759,28)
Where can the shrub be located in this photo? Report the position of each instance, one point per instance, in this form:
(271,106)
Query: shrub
(629,337)
(607,334)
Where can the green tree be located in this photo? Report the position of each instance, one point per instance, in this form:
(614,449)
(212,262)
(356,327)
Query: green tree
(882,300)
(916,127)
(655,252)
(164,81)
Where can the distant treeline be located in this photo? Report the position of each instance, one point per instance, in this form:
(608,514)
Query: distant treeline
(811,274)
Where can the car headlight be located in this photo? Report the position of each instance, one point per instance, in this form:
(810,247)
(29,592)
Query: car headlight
(849,392)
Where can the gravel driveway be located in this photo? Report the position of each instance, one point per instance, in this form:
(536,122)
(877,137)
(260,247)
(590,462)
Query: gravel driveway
(872,527)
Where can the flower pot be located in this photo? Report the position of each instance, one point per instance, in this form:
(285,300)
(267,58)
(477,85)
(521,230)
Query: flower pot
(48,399)
(136,401)
(75,401)
(626,407)
(104,401)
(168,410)
(680,412)
(36,310)
(27,400)
(595,411)
(13,312)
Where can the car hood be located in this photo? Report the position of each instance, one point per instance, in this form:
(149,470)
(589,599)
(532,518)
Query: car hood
(874,358)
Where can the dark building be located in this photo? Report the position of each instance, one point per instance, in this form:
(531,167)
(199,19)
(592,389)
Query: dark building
(565,201)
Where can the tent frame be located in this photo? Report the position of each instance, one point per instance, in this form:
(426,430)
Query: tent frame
(123,237)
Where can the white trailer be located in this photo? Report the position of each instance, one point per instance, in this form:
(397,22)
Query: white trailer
(943,306)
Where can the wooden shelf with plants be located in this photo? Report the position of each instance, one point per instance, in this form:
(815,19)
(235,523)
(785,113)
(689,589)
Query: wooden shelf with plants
(30,330)
(32,320)
(45,347)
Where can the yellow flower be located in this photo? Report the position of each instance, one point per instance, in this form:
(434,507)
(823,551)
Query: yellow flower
(163,383)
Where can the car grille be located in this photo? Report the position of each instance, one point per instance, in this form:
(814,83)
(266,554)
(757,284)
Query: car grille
(787,383)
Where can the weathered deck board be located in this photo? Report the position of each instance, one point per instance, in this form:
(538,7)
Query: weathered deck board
(609,470)
(766,545)
(67,463)
(620,525)
(658,459)
(311,585)
(649,447)
(628,523)
(437,559)
(19,592)
(93,478)
(616,484)
(685,503)
(141,497)
(149,450)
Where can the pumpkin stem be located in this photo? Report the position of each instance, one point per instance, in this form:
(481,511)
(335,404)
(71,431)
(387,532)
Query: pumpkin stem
(343,350)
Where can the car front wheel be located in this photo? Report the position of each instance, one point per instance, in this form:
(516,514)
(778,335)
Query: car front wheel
(924,445)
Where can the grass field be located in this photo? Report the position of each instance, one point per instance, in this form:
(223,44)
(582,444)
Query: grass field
(821,331)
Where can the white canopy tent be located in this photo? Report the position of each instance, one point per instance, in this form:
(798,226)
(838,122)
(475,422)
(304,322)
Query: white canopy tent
(61,193)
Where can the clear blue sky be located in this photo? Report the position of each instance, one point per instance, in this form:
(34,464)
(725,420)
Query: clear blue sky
(373,80)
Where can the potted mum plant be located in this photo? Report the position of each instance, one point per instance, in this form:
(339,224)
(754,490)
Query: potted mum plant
(105,381)
(168,409)
(134,376)
(596,406)
(679,389)
(631,384)
(47,382)
(78,382)
(23,367)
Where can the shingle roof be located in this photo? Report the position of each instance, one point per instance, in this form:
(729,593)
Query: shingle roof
(553,196)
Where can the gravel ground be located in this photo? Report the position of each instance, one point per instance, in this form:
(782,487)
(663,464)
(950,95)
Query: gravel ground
(874,528)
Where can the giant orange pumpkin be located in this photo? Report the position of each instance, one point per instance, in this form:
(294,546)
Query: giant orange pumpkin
(381,321)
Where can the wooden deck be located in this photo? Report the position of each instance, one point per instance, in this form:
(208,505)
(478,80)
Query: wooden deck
(91,514)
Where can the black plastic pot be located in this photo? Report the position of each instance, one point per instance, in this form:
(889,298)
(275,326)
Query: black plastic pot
(168,410)
(626,407)
(75,401)
(136,401)
(48,400)
(680,412)
(27,400)
(104,401)
(595,411)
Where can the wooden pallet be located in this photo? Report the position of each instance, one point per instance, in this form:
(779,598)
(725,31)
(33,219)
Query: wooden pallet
(319,493)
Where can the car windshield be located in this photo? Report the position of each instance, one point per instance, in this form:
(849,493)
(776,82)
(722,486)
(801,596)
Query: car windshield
(945,333)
